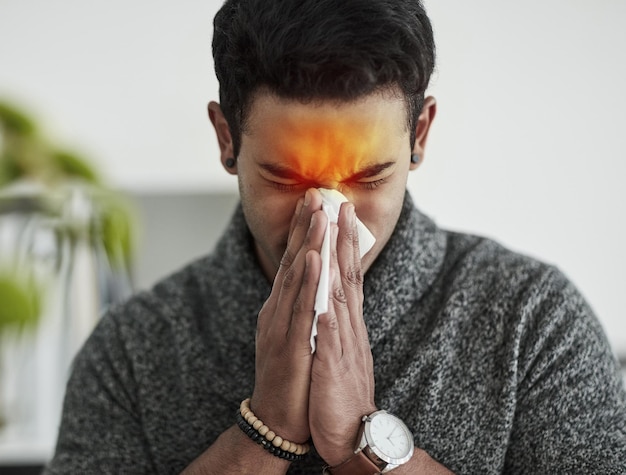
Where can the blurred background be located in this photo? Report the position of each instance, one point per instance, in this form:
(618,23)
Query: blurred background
(528,147)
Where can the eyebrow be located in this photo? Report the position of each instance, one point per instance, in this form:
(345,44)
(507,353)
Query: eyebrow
(281,171)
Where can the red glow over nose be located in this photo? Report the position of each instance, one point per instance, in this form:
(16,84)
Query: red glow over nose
(329,151)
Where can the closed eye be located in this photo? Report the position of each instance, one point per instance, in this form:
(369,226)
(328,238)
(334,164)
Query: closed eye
(372,185)
(285,187)
(295,182)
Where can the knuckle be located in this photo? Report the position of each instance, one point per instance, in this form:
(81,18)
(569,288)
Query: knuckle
(298,306)
(351,236)
(289,278)
(307,240)
(287,259)
(331,321)
(301,219)
(339,295)
(354,276)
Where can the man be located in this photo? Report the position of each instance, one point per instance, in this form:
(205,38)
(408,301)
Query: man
(492,360)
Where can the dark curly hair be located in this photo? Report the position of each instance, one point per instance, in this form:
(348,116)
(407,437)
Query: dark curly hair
(320,50)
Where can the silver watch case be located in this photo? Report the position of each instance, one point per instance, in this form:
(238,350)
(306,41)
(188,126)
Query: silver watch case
(369,448)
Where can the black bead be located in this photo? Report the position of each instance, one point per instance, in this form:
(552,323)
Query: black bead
(254,435)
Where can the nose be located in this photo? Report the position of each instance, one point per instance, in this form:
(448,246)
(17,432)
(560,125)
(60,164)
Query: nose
(340,187)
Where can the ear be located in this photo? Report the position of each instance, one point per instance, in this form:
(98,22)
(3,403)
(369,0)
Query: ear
(424,121)
(224,138)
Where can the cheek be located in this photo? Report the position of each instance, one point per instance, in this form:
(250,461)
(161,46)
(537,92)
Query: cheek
(270,210)
(271,213)
(375,214)
(268,215)
(380,212)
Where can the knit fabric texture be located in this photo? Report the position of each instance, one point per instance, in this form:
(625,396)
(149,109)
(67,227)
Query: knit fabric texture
(493,360)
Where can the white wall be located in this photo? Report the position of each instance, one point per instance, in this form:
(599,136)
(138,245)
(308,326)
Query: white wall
(126,80)
(528,146)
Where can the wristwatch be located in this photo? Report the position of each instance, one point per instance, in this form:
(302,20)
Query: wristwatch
(384,443)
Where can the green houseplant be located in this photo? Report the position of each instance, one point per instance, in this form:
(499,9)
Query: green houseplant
(39,183)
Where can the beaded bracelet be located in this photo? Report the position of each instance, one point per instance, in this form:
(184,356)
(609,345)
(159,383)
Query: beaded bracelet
(265,435)
(263,442)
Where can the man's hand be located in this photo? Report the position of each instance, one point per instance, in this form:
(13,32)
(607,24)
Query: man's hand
(283,352)
(342,376)
(298,394)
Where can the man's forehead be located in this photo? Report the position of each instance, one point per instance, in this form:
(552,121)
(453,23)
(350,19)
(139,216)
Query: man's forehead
(327,140)
(388,103)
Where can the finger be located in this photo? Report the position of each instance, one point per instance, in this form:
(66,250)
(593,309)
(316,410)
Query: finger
(338,295)
(349,263)
(350,232)
(311,202)
(303,307)
(293,285)
(300,222)
(291,277)
(295,216)
(329,349)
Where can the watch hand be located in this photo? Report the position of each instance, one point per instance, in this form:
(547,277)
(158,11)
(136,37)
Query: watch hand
(394,429)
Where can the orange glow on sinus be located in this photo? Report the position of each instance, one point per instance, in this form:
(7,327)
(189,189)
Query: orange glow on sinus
(329,151)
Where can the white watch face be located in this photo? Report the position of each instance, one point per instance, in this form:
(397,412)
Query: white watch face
(389,438)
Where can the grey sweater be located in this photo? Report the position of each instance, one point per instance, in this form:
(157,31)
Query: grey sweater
(494,360)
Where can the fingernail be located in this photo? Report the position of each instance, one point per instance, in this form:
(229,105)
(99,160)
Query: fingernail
(307,198)
(313,220)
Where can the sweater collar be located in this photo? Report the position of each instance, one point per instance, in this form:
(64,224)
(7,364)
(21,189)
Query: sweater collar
(404,271)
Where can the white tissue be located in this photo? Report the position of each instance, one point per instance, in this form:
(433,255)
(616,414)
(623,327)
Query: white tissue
(331,202)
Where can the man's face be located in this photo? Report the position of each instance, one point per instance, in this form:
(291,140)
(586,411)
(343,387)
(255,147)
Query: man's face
(359,148)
